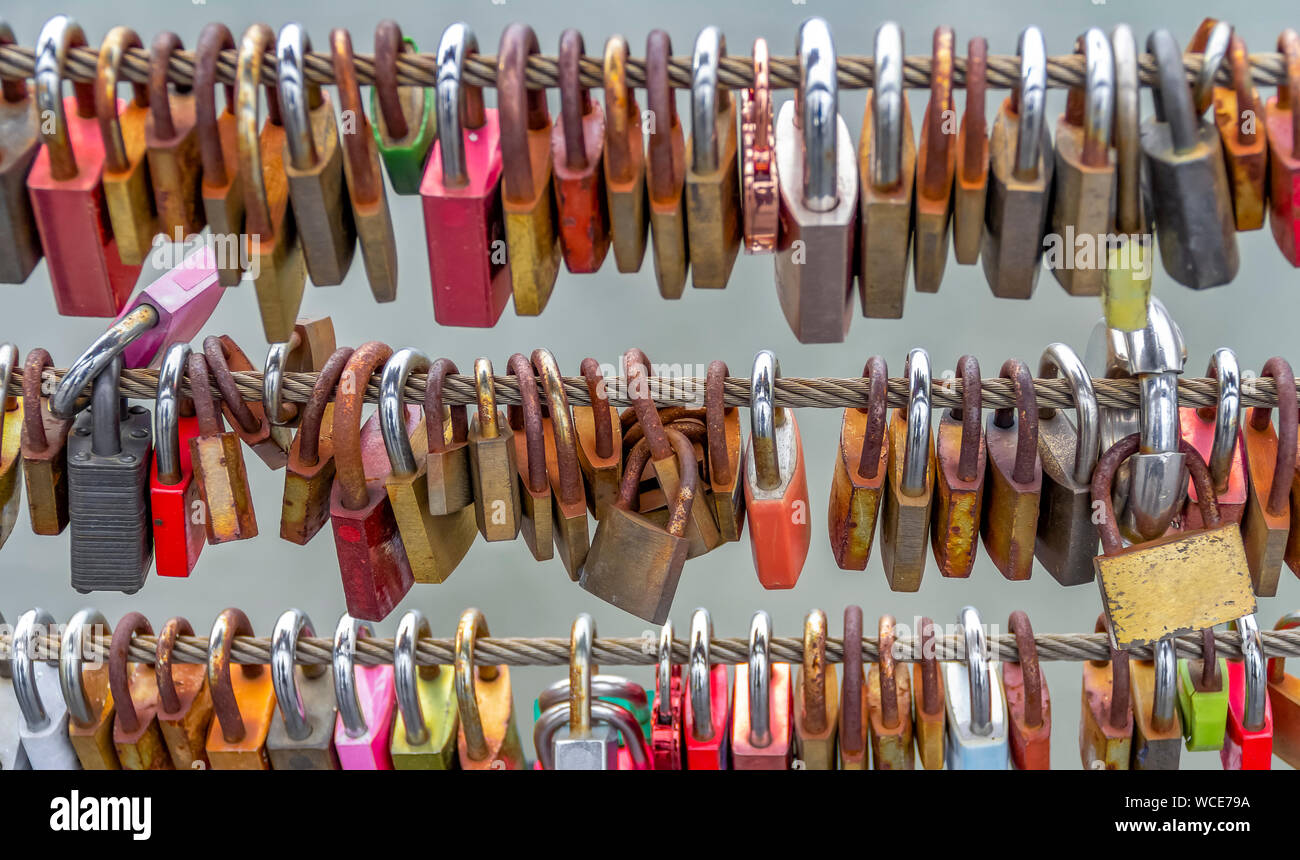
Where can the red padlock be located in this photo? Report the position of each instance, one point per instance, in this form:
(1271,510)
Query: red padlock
(762,727)
(576,145)
(1248,744)
(178,533)
(1215,431)
(464,223)
(372,560)
(1029,708)
(1282,116)
(666,717)
(707,712)
(86,270)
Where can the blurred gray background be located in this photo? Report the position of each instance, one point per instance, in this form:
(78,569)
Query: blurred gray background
(601,315)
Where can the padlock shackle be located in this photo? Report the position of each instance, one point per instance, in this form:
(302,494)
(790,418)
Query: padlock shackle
(433,409)
(663,180)
(852,738)
(106,411)
(565,438)
(65,402)
(163,46)
(972,409)
(472,625)
(877,412)
(812,692)
(485,399)
(1093,105)
(1210,678)
(1164,698)
(889,715)
(760,95)
(214,38)
(664,674)
(1060,358)
(349,469)
(1255,707)
(521,110)
(1128,148)
(292,624)
(575,99)
(72,657)
(708,99)
(8,361)
(119,680)
(1223,368)
(389,44)
(1029,101)
(407,675)
(1288,93)
(12,90)
(167,414)
(715,419)
(256,41)
(456,101)
(637,371)
(887,106)
(1212,40)
(977,670)
(1031,672)
(935,182)
(58,37)
(528,417)
(699,675)
(220,351)
(1247,98)
(1276,665)
(273,381)
(601,420)
(364,177)
(298,96)
(687,467)
(392,409)
(1171,96)
(343,662)
(622,118)
(974,121)
(605,713)
(760,680)
(118,41)
(916,450)
(581,669)
(816,114)
(764,417)
(314,412)
(22,658)
(34,406)
(1120,695)
(1279,369)
(169,701)
(230,623)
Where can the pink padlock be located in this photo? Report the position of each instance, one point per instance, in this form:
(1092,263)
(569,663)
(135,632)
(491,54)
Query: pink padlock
(183,299)
(366,700)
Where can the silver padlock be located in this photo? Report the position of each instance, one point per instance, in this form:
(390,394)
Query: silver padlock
(301,736)
(43,727)
(12,754)
(109,453)
(819,197)
(585,748)
(976,735)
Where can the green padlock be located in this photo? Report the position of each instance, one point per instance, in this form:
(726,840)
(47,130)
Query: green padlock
(613,689)
(404,118)
(428,720)
(1203,698)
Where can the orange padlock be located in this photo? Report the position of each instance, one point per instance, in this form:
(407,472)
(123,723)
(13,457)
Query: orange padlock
(576,145)
(1029,708)
(860,470)
(960,458)
(243,702)
(1270,470)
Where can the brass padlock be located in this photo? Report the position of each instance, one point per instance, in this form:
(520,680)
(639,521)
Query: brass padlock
(624,161)
(569,498)
(529,437)
(860,469)
(87,692)
(817,705)
(487,738)
(531,240)
(665,174)
(887,164)
(219,469)
(971,182)
(854,754)
(960,457)
(713,177)
(600,442)
(243,702)
(1106,722)
(447,463)
(20,247)
(909,482)
(889,701)
(184,700)
(45,456)
(1009,525)
(136,736)
(309,472)
(936,166)
(1020,179)
(248,419)
(171,137)
(929,706)
(1270,469)
(313,163)
(126,175)
(11,433)
(725,455)
(221,186)
(1153,690)
(492,462)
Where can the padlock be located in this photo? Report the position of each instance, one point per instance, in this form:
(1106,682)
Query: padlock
(43,719)
(817,704)
(221,186)
(531,240)
(1020,179)
(1177,584)
(971,180)
(306,351)
(12,754)
(586,747)
(136,736)
(424,731)
(776,487)
(761,723)
(270,241)
(366,198)
(624,162)
(1066,542)
(909,488)
(960,459)
(45,456)
(1106,723)
(1157,730)
(889,702)
(1270,470)
(301,736)
(977,733)
(365,702)
(1083,211)
(405,118)
(1215,431)
(447,461)
(179,533)
(1237,115)
(487,738)
(707,719)
(243,702)
(936,166)
(1248,744)
(854,754)
(1029,707)
(887,164)
(1193,207)
(218,460)
(434,544)
(665,171)
(633,563)
(1009,525)
(712,174)
(85,262)
(760,208)
(1203,697)
(1284,701)
(614,689)
(309,474)
(568,497)
(87,693)
(669,707)
(600,442)
(372,559)
(20,249)
(859,477)
(184,700)
(1126,289)
(528,434)
(464,225)
(819,200)
(1282,117)
(313,163)
(109,456)
(11,433)
(126,182)
(171,137)
(492,462)
(929,708)
(576,144)
(725,449)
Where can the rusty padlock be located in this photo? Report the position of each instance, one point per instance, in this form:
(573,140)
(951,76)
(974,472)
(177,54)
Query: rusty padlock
(309,473)
(405,118)
(759,194)
(936,166)
(624,162)
(600,442)
(184,700)
(960,457)
(726,448)
(1215,431)
(488,737)
(221,186)
(889,702)
(492,462)
(219,468)
(1009,526)
(929,705)
(243,702)
(136,736)
(576,144)
(171,136)
(87,693)
(248,419)
(447,462)
(712,175)
(887,164)
(665,173)
(569,498)
(971,182)
(44,449)
(1106,723)
(1029,707)
(528,432)
(1282,116)
(817,705)
(909,489)
(126,181)
(1284,700)
(859,477)
(1270,470)
(20,247)
(854,754)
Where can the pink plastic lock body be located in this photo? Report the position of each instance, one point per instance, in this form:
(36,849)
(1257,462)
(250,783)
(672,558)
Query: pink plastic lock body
(376,697)
(184,298)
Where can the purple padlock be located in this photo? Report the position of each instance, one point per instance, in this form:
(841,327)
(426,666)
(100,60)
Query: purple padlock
(184,298)
(366,698)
